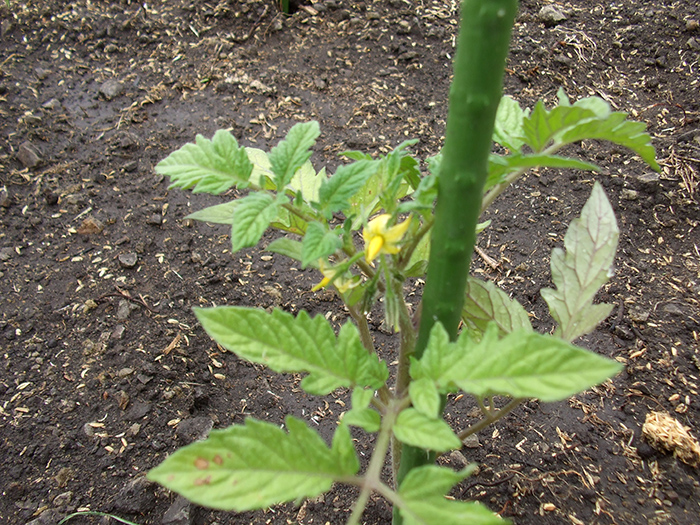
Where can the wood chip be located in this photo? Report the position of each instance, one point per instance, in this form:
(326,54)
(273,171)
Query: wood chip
(665,433)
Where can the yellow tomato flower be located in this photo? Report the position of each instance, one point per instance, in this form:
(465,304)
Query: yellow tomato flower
(380,239)
(342,284)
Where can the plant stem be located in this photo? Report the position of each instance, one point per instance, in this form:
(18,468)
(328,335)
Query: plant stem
(372,478)
(475,93)
(500,188)
(366,338)
(407,251)
(490,418)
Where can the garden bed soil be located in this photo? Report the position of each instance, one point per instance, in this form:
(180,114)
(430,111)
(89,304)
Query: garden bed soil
(104,368)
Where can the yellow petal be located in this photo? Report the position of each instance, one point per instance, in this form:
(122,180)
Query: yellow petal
(374,247)
(324,282)
(396,233)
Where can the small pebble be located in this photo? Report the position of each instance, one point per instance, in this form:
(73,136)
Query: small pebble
(28,155)
(128,260)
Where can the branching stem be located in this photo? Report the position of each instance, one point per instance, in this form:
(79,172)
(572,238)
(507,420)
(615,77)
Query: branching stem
(490,417)
(372,478)
(494,192)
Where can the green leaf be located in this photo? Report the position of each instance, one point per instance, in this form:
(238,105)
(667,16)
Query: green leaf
(288,221)
(419,430)
(542,126)
(335,192)
(256,465)
(425,397)
(432,481)
(295,344)
(285,246)
(578,274)
(218,214)
(319,242)
(429,511)
(509,124)
(211,166)
(422,493)
(437,358)
(423,199)
(618,130)
(291,153)
(522,364)
(588,118)
(365,418)
(251,218)
(344,449)
(392,308)
(308,182)
(262,175)
(485,303)
(501,166)
(394,176)
(361,397)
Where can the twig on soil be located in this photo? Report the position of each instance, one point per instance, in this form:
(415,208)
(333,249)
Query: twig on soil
(240,40)
(126,295)
(485,257)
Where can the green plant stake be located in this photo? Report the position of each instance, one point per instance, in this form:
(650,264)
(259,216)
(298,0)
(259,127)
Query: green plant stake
(482,48)
(392,204)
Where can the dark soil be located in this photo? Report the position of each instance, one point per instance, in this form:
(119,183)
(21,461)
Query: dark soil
(104,369)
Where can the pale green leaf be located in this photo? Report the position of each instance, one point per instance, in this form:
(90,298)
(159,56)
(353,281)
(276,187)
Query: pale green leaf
(336,191)
(218,214)
(288,221)
(523,364)
(211,166)
(597,105)
(262,175)
(422,495)
(344,449)
(251,218)
(437,357)
(509,124)
(442,511)
(318,243)
(287,247)
(419,430)
(393,178)
(361,397)
(578,273)
(292,152)
(256,465)
(423,198)
(485,303)
(307,182)
(295,344)
(588,118)
(365,418)
(432,481)
(425,397)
